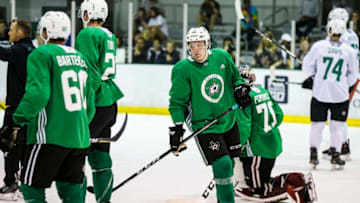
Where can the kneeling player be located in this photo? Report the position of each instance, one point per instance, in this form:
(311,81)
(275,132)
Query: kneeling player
(258,125)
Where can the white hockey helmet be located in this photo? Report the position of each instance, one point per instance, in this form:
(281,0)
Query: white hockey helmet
(337,26)
(96,9)
(56,24)
(247,74)
(338,13)
(198,34)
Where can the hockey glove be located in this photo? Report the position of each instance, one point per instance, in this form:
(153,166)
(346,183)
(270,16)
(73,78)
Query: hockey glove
(241,94)
(176,136)
(8,136)
(308,83)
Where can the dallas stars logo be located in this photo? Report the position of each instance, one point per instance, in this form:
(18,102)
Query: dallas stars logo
(214,146)
(212,88)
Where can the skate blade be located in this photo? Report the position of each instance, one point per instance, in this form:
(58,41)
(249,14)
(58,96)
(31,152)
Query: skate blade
(326,157)
(336,167)
(9,197)
(313,166)
(346,157)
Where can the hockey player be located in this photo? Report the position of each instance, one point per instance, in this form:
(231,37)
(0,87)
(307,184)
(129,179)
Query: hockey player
(260,137)
(57,107)
(208,83)
(16,56)
(258,126)
(98,45)
(349,37)
(333,66)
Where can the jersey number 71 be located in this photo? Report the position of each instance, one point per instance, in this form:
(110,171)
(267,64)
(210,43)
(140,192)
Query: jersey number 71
(266,108)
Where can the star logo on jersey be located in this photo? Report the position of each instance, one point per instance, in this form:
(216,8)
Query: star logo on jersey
(214,146)
(212,88)
(222,66)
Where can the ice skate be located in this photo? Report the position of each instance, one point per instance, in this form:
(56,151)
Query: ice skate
(10,193)
(238,186)
(336,162)
(314,161)
(345,150)
(326,154)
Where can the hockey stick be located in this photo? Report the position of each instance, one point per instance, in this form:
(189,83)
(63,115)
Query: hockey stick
(208,189)
(287,82)
(274,42)
(354,89)
(114,138)
(212,183)
(235,106)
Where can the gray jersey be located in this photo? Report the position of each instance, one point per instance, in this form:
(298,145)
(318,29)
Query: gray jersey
(335,69)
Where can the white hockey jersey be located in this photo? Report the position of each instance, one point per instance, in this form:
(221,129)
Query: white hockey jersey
(334,67)
(350,38)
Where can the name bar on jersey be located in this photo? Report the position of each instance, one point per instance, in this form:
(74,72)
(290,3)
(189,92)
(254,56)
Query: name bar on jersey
(70,60)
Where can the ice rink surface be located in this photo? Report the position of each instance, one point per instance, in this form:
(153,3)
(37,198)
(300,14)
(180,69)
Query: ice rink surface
(185,177)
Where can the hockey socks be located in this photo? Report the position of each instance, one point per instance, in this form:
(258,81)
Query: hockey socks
(223,172)
(70,192)
(100,163)
(33,195)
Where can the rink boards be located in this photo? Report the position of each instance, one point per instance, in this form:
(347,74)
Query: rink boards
(146,89)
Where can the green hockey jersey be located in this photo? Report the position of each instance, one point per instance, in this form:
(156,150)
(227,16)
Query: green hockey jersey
(258,125)
(58,104)
(98,45)
(207,88)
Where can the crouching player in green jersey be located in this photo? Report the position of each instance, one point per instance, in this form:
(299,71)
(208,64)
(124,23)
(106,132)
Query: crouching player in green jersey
(260,137)
(98,45)
(208,83)
(57,107)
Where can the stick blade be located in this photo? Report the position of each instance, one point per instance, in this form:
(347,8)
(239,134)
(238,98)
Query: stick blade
(120,132)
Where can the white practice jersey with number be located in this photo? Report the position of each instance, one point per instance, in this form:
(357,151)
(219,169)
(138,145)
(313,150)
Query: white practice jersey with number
(335,68)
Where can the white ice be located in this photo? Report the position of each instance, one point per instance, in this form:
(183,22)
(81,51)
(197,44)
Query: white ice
(185,177)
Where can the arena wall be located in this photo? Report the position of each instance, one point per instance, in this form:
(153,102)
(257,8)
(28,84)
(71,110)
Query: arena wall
(146,89)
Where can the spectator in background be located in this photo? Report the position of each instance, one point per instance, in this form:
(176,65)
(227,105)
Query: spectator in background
(309,11)
(147,4)
(170,55)
(139,20)
(146,34)
(285,41)
(3,31)
(209,14)
(228,45)
(267,54)
(157,24)
(250,14)
(153,55)
(355,22)
(140,54)
(304,49)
